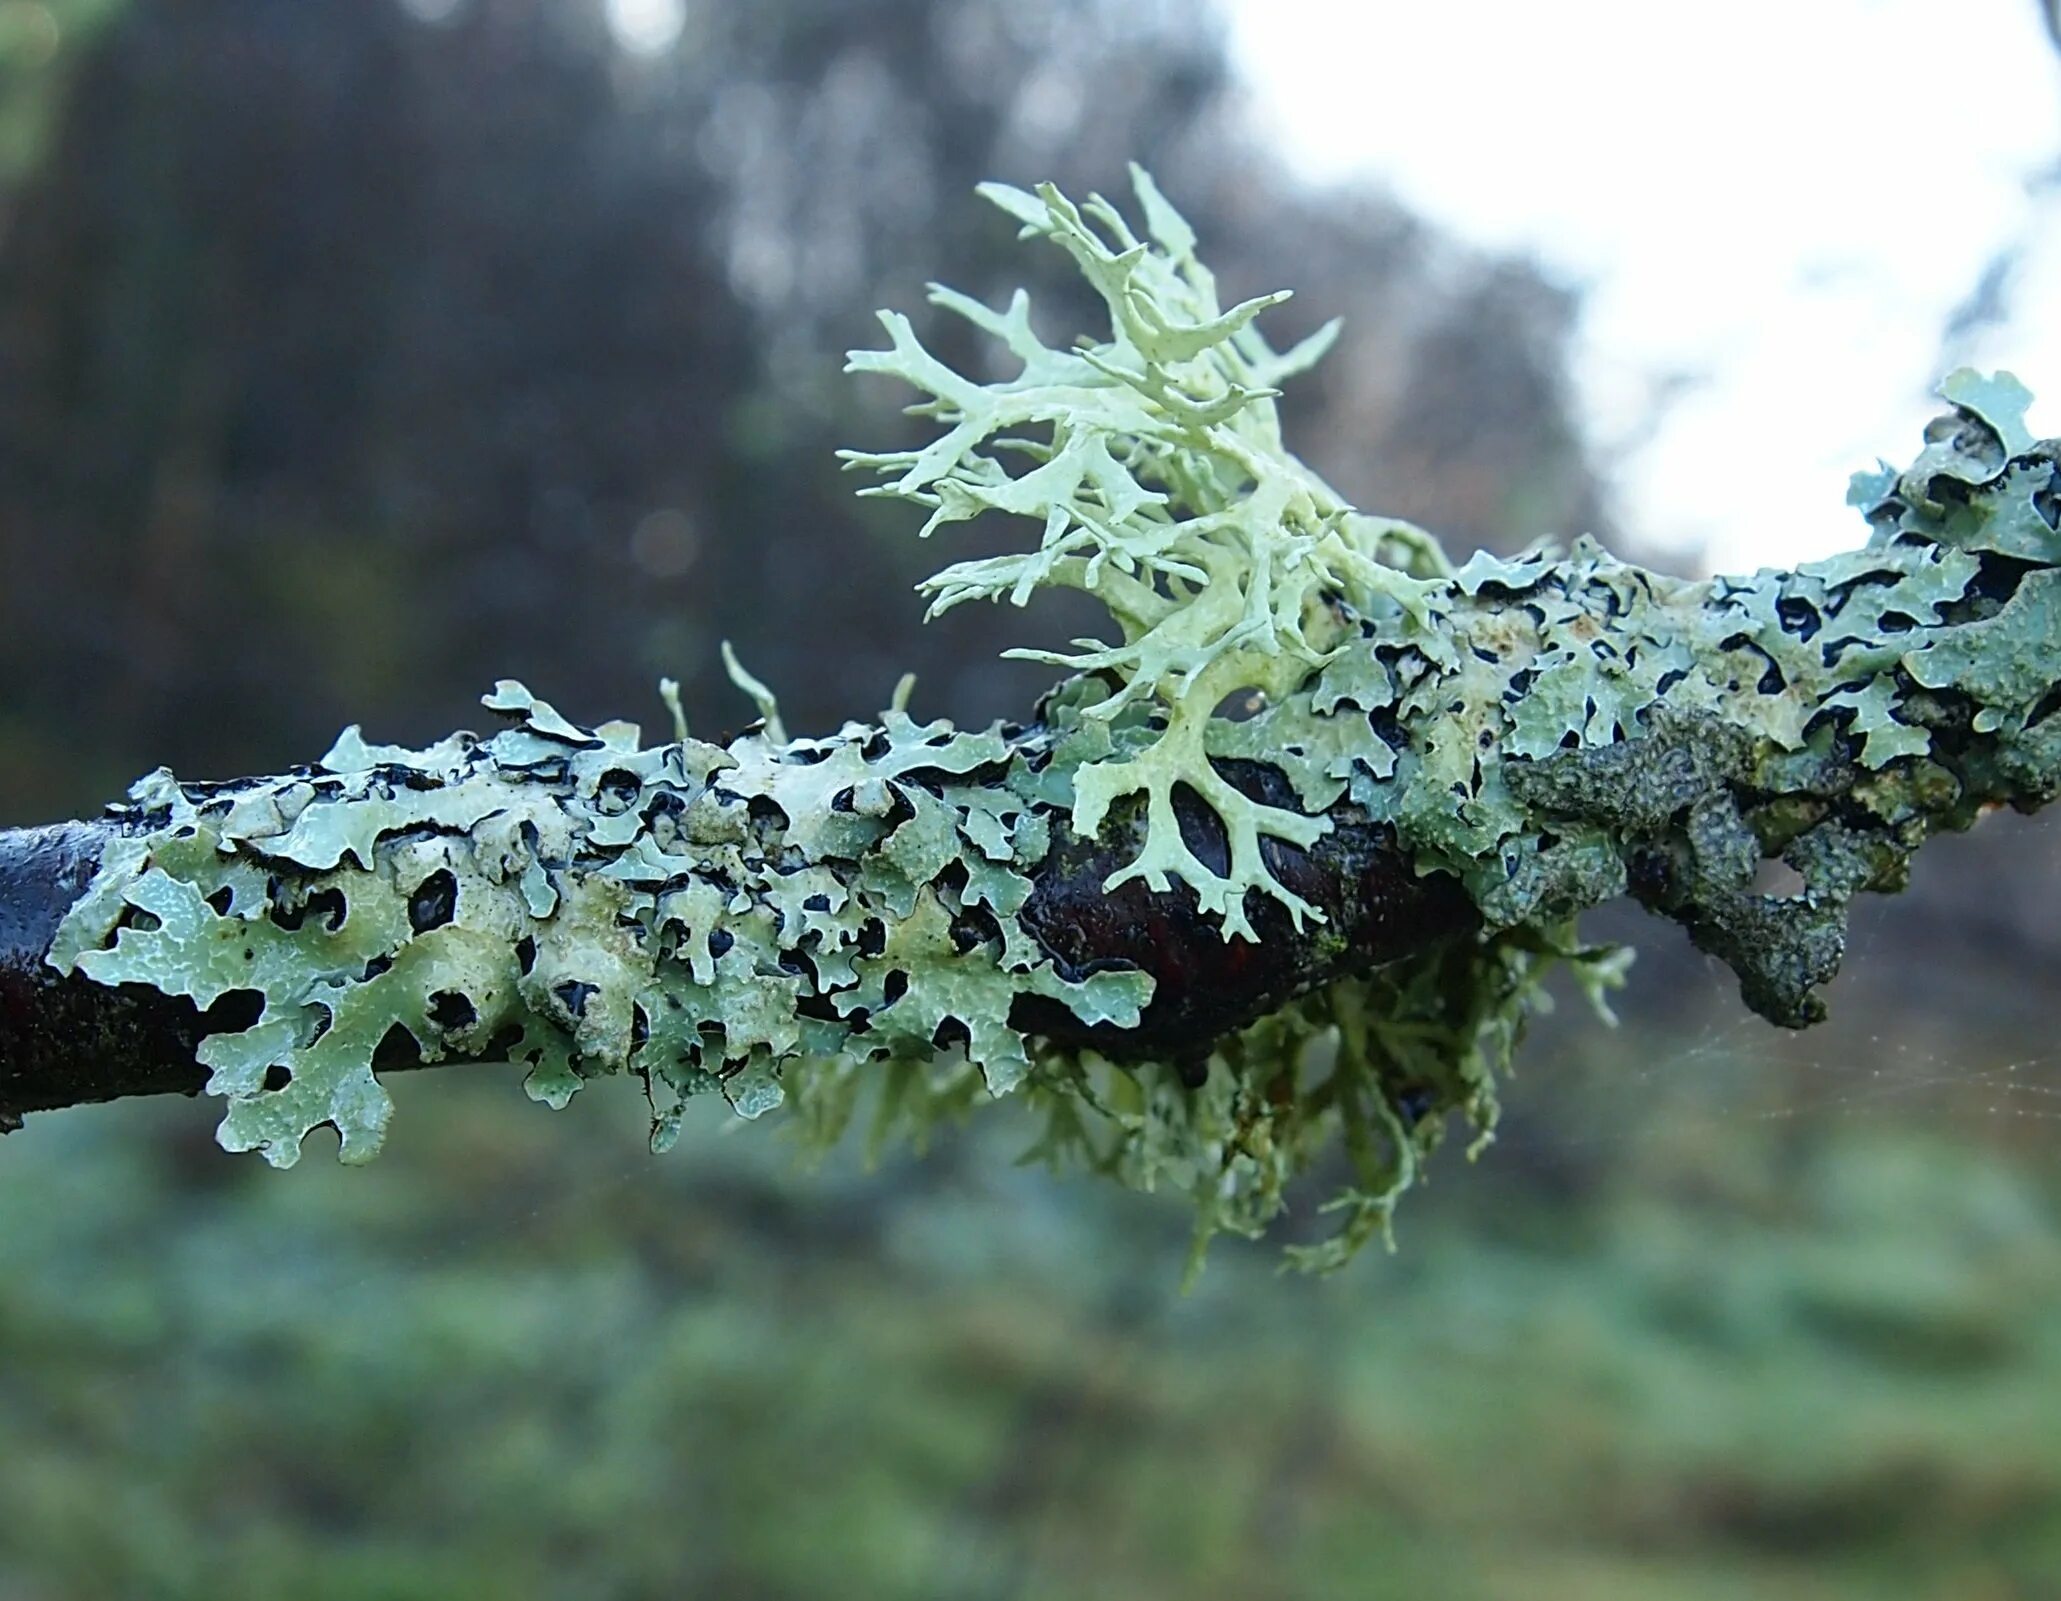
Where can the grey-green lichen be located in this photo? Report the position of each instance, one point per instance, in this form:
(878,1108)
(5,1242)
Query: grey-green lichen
(829,923)
(573,900)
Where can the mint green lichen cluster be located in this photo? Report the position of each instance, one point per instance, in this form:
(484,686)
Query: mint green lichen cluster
(824,923)
(1153,463)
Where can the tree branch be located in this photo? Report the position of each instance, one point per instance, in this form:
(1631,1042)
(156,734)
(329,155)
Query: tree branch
(1328,920)
(63,1038)
(767,918)
(66,1040)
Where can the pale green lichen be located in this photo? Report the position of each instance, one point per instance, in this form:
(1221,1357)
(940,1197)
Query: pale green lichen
(585,905)
(813,922)
(1153,463)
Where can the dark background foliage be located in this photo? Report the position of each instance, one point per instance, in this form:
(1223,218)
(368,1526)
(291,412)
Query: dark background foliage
(350,361)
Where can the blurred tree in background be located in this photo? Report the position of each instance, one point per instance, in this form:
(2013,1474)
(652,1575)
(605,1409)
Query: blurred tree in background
(355,354)
(350,362)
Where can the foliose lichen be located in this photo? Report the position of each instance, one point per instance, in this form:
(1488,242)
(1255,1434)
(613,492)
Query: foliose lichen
(830,923)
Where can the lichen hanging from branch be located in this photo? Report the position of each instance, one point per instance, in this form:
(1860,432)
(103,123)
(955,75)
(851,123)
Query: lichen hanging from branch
(1208,950)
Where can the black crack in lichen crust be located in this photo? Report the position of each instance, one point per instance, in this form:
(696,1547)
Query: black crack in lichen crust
(817,920)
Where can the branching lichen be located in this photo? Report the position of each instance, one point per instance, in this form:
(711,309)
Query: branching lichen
(820,922)
(1153,463)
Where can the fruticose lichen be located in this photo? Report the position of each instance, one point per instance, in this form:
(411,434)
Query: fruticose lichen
(819,921)
(1153,462)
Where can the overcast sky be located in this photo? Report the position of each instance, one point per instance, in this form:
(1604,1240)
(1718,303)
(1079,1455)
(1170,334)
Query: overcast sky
(1781,201)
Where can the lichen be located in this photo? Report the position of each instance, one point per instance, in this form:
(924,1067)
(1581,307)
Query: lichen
(587,906)
(1152,462)
(827,924)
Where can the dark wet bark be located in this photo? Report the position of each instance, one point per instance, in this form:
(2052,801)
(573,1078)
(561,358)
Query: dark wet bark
(63,1038)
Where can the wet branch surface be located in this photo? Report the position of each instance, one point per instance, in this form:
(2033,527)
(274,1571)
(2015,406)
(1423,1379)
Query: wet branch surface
(64,1039)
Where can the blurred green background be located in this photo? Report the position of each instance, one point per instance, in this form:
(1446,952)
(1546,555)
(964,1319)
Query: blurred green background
(354,355)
